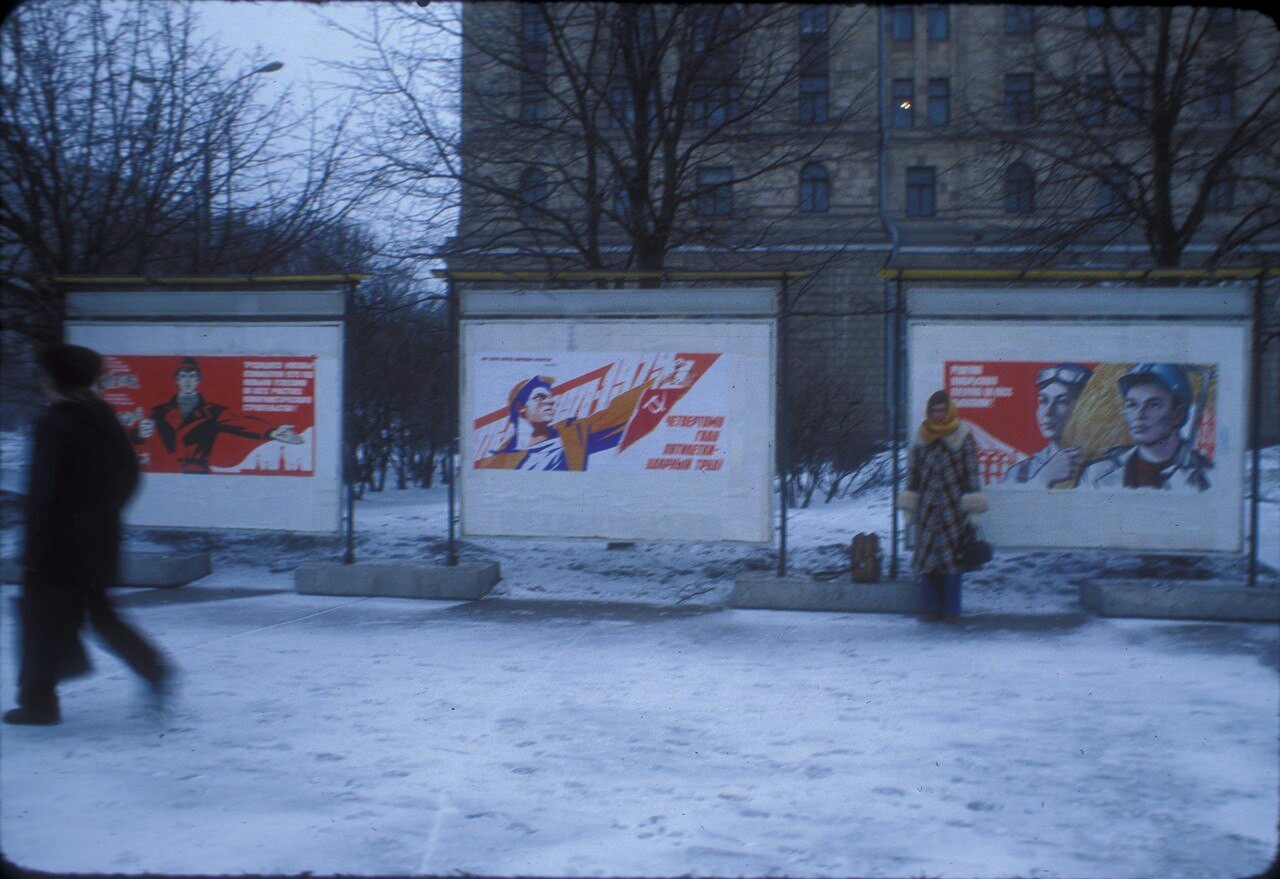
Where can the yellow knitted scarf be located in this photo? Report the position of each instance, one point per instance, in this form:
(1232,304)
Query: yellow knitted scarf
(930,431)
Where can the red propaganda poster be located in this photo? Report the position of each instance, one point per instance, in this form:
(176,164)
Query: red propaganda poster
(215,415)
(1058,425)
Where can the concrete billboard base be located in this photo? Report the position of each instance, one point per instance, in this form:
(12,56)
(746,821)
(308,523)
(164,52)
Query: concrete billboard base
(1180,600)
(769,592)
(397,579)
(144,569)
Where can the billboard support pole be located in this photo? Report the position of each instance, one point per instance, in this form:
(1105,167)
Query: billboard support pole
(452,344)
(348,448)
(895,406)
(784,425)
(1255,429)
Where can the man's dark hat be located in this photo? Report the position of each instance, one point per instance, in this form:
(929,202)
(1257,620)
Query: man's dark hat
(69,366)
(188,363)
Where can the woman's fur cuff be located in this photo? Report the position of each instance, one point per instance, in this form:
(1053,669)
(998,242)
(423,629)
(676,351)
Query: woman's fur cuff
(974,502)
(908,500)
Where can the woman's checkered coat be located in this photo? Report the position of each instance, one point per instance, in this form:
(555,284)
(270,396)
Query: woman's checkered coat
(943,486)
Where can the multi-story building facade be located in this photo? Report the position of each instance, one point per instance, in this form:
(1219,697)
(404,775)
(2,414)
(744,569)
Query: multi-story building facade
(845,139)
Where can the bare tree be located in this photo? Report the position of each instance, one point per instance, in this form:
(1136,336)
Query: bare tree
(400,385)
(609,135)
(129,145)
(1151,126)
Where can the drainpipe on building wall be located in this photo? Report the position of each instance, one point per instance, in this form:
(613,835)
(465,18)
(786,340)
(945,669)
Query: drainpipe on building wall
(891,299)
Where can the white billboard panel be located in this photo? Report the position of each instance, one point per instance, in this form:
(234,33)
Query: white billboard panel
(1119,434)
(236,425)
(622,429)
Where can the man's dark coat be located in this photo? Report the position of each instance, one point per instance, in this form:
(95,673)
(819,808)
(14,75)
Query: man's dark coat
(83,470)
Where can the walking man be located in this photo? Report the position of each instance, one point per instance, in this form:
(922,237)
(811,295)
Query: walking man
(82,472)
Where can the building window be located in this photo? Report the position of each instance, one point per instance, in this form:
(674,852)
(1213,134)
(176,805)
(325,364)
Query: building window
(1019,190)
(1019,98)
(1132,97)
(939,101)
(533,192)
(903,111)
(1220,97)
(534,38)
(1111,192)
(714,104)
(813,19)
(715,192)
(938,22)
(1222,20)
(921,192)
(815,190)
(622,109)
(814,81)
(1221,197)
(621,202)
(1019,19)
(533,98)
(813,99)
(1127,19)
(1096,99)
(903,23)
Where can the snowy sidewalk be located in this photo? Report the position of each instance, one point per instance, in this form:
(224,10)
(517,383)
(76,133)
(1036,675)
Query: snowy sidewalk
(382,736)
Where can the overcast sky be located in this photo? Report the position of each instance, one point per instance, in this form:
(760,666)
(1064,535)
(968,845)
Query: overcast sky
(289,31)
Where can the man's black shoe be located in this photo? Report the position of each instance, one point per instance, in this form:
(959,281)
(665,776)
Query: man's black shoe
(33,716)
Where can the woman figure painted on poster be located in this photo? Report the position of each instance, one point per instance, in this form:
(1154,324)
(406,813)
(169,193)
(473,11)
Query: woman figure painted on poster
(1058,388)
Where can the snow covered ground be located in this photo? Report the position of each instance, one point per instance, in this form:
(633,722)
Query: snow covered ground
(603,713)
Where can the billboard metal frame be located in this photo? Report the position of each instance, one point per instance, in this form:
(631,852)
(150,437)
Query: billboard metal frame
(609,282)
(288,298)
(896,310)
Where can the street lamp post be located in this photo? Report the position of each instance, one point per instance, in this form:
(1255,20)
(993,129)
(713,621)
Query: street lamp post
(207,200)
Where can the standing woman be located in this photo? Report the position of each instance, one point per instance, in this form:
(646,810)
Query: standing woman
(943,487)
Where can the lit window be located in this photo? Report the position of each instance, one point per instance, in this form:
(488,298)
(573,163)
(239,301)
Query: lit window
(815,190)
(921,192)
(903,107)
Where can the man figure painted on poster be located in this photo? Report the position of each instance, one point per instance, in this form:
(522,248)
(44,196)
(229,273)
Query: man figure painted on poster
(533,438)
(1157,403)
(1058,388)
(187,425)
(537,442)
